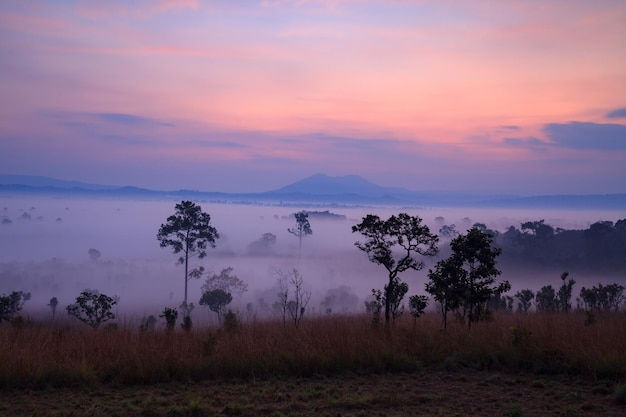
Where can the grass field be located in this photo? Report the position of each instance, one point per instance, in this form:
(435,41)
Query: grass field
(517,364)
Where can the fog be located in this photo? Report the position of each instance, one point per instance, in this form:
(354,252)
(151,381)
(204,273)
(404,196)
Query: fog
(44,246)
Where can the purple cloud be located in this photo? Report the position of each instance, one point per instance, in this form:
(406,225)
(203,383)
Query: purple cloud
(586,135)
(617,113)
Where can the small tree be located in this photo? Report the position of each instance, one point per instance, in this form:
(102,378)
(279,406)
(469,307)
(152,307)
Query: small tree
(92,308)
(301,297)
(53,306)
(375,306)
(94,254)
(417,306)
(402,233)
(473,266)
(11,304)
(292,297)
(445,284)
(188,231)
(302,228)
(396,295)
(564,296)
(170,315)
(217,301)
(281,305)
(525,299)
(545,299)
(147,323)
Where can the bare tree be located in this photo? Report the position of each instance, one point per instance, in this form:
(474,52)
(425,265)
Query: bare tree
(292,296)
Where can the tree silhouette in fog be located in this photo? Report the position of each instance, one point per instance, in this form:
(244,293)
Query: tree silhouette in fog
(465,281)
(189,232)
(408,237)
(303,227)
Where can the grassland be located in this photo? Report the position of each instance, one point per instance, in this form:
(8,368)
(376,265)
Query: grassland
(517,364)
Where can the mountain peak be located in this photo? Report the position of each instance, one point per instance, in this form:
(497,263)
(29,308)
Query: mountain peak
(321,184)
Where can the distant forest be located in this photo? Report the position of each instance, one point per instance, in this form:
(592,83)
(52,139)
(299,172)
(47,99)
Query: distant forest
(600,248)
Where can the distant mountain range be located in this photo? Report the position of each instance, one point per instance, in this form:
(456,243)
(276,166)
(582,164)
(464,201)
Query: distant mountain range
(318,189)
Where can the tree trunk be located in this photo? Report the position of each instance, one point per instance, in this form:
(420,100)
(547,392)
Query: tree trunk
(186,280)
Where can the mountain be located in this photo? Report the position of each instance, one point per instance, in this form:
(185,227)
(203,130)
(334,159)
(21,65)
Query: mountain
(320,184)
(37,181)
(318,189)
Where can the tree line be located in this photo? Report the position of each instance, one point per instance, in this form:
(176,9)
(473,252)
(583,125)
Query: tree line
(463,284)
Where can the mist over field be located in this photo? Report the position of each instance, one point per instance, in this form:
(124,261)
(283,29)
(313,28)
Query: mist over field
(44,245)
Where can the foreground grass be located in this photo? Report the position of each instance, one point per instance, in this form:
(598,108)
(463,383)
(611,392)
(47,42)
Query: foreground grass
(422,393)
(54,355)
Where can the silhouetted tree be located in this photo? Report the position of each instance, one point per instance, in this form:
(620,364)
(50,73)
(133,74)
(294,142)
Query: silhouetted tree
(188,231)
(525,298)
(403,233)
(303,227)
(445,284)
(603,297)
(92,308)
(217,301)
(53,306)
(292,297)
(11,304)
(564,296)
(474,259)
(545,299)
(170,315)
(417,306)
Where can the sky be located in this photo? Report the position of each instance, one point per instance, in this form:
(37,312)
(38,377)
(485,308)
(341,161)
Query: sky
(522,97)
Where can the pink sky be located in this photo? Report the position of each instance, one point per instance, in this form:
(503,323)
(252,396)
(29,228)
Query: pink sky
(519,97)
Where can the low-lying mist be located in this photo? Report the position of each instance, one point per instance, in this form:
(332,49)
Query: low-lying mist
(45,243)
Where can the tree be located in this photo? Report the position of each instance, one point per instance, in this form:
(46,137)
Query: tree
(11,304)
(545,299)
(603,297)
(564,296)
(402,233)
(303,227)
(263,246)
(92,308)
(292,297)
(53,306)
(417,305)
(445,284)
(170,315)
(225,281)
(216,300)
(188,231)
(472,265)
(94,254)
(448,231)
(525,299)
(396,295)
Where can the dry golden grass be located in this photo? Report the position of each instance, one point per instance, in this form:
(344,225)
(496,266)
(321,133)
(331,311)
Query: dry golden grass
(67,354)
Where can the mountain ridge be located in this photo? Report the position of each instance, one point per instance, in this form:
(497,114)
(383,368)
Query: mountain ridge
(316,189)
